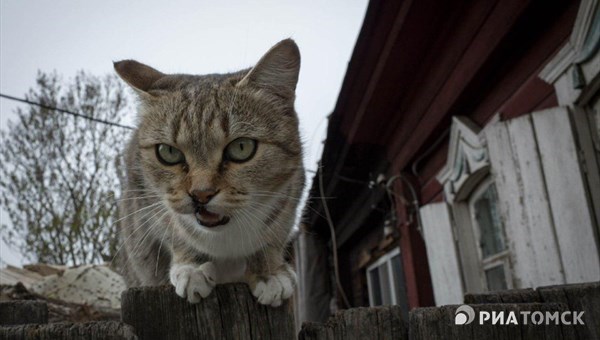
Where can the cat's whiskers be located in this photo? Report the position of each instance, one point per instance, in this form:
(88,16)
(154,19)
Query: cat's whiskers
(279,242)
(266,230)
(148,232)
(137,198)
(153,205)
(261,245)
(285,196)
(238,223)
(279,194)
(154,212)
(160,248)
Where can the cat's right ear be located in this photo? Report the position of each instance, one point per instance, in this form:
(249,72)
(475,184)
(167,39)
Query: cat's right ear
(277,71)
(139,76)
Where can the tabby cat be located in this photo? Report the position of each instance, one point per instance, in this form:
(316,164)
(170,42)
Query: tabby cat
(214,173)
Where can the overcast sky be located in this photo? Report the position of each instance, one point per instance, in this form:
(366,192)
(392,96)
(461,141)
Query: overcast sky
(179,37)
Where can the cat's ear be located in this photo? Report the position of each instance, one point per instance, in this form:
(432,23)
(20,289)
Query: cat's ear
(277,71)
(137,75)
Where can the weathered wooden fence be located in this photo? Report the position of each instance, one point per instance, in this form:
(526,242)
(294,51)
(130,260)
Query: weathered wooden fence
(231,312)
(439,322)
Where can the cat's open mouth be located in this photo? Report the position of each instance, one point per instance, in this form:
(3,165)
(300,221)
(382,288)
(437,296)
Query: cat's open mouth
(210,219)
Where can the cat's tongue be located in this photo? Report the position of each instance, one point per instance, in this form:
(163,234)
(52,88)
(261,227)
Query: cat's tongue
(209,219)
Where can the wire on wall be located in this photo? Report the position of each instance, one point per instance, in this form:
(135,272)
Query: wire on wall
(333,240)
(413,192)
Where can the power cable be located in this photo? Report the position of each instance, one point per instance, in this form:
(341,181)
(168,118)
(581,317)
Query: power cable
(75,114)
(333,240)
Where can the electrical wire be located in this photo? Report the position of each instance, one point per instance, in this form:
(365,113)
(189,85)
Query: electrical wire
(75,114)
(333,240)
(413,192)
(429,150)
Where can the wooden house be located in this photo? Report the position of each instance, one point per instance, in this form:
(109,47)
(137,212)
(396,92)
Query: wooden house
(462,156)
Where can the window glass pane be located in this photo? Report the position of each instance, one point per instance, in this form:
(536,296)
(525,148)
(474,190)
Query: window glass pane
(399,285)
(375,287)
(491,237)
(384,281)
(496,278)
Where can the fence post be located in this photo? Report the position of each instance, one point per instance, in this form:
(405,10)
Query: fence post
(229,312)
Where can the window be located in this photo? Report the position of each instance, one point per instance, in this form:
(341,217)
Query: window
(478,229)
(489,234)
(385,280)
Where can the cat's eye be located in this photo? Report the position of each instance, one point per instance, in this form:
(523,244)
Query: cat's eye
(169,155)
(240,150)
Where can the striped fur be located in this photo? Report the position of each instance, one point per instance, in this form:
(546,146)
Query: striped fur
(161,240)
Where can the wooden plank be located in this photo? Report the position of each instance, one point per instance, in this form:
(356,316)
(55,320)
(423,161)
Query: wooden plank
(541,260)
(532,48)
(66,330)
(454,42)
(359,323)
(479,87)
(230,312)
(549,102)
(488,38)
(579,297)
(507,296)
(568,199)
(584,125)
(441,253)
(509,187)
(23,312)
(527,97)
(432,191)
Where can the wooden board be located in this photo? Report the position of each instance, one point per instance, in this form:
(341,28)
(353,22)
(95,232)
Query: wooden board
(229,312)
(441,253)
(23,312)
(509,186)
(542,255)
(67,330)
(383,323)
(569,203)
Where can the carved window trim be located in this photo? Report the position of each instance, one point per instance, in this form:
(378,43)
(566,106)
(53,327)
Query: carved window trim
(466,173)
(574,69)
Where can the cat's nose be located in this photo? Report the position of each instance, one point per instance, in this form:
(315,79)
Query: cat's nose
(203,196)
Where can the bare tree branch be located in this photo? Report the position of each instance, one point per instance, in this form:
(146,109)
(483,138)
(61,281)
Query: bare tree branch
(60,175)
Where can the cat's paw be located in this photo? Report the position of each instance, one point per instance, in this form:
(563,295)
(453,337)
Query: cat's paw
(193,282)
(274,289)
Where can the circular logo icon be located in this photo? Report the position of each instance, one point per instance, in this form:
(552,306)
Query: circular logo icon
(464,315)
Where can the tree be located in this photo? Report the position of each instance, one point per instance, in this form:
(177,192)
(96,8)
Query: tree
(60,173)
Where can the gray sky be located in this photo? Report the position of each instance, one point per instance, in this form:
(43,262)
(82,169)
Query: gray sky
(179,37)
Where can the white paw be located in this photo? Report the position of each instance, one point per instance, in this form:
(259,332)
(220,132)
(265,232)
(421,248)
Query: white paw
(275,288)
(192,281)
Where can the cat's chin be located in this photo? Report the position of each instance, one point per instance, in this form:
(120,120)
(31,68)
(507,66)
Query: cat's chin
(210,219)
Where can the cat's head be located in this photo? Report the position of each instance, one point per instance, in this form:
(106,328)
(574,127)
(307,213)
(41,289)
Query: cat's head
(221,147)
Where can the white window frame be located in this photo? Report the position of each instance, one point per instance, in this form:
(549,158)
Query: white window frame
(386,260)
(501,258)
(467,171)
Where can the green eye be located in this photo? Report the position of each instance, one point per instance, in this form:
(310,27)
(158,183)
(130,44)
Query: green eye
(240,150)
(168,155)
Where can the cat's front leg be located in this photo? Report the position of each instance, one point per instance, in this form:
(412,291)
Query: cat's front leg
(271,280)
(193,281)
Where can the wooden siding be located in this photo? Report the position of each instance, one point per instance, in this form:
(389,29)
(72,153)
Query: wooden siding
(542,198)
(568,198)
(441,252)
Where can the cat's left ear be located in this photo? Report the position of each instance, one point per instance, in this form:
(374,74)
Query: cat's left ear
(137,75)
(277,71)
